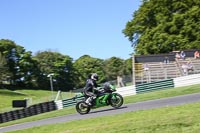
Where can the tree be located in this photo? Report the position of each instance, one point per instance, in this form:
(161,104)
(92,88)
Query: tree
(113,67)
(19,64)
(27,69)
(160,26)
(4,73)
(8,64)
(86,65)
(128,66)
(60,65)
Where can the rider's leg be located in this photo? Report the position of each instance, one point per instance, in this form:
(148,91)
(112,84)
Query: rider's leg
(90,98)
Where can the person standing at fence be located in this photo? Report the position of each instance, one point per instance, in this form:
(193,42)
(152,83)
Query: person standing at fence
(146,72)
(177,56)
(146,67)
(182,55)
(196,54)
(189,66)
(185,68)
(120,82)
(166,60)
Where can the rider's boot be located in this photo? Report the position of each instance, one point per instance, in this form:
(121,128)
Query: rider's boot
(89,101)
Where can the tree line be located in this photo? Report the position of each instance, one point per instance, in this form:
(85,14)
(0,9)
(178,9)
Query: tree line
(20,69)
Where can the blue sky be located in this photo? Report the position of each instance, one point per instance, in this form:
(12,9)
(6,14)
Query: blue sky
(71,27)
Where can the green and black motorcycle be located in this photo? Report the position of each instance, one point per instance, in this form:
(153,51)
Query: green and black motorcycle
(106,95)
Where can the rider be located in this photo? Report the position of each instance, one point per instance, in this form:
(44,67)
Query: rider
(90,87)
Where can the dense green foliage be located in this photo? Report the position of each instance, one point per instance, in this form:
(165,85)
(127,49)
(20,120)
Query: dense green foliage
(114,67)
(160,26)
(3,68)
(60,65)
(86,65)
(19,65)
(20,69)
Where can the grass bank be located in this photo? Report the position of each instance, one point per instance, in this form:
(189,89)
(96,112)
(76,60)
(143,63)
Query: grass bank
(130,99)
(34,96)
(164,120)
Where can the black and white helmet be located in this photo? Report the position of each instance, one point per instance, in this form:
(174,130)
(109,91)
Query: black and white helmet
(94,76)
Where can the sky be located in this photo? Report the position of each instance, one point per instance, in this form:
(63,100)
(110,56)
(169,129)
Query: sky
(70,27)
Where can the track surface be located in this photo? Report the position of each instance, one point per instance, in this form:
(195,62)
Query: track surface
(172,101)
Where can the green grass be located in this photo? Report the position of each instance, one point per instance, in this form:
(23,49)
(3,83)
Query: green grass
(7,96)
(129,99)
(35,96)
(179,119)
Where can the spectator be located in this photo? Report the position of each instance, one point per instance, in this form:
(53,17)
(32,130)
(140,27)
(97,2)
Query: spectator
(146,67)
(185,68)
(182,55)
(120,82)
(177,56)
(146,72)
(196,54)
(166,60)
(189,66)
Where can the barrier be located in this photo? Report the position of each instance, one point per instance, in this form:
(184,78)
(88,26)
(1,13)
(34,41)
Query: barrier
(59,104)
(146,87)
(127,90)
(71,101)
(187,80)
(29,111)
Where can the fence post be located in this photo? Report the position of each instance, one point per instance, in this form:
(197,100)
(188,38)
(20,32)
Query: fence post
(133,69)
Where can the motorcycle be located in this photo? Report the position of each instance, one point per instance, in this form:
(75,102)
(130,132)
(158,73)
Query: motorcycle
(106,95)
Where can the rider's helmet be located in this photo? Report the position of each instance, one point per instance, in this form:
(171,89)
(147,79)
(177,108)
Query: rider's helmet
(94,76)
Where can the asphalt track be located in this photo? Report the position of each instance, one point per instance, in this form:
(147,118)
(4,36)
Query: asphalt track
(164,102)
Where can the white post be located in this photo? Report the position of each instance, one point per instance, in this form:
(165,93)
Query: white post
(51,83)
(133,69)
(58,94)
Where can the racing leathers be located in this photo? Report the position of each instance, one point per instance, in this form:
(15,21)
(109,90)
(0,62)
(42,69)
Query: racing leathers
(89,90)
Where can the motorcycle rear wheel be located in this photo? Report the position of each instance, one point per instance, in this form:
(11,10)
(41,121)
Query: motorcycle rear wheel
(82,108)
(116,100)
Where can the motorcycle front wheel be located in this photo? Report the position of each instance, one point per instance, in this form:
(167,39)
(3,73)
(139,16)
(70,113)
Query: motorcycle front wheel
(82,108)
(116,100)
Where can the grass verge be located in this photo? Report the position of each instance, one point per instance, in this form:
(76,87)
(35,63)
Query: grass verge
(164,120)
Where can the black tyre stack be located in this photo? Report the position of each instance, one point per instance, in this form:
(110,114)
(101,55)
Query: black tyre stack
(28,111)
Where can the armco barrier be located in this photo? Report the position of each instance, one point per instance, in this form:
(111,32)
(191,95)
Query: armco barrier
(71,101)
(187,80)
(29,111)
(59,104)
(127,90)
(146,87)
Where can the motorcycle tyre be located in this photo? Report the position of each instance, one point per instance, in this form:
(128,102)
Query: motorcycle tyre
(119,97)
(79,110)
